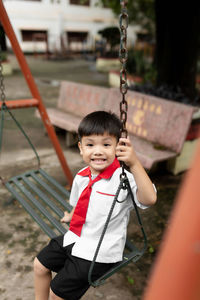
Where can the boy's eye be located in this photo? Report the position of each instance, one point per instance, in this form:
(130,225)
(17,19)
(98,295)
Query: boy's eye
(89,145)
(106,145)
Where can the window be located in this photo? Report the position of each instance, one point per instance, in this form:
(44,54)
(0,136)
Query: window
(80,2)
(76,40)
(34,35)
(76,36)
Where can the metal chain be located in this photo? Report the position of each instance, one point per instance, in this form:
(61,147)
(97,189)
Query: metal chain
(2,98)
(123,56)
(2,88)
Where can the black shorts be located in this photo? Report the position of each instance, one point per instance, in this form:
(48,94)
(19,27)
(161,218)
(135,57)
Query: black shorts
(71,280)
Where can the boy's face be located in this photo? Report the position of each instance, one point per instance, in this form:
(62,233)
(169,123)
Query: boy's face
(98,151)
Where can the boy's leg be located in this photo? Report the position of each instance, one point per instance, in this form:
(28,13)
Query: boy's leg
(50,259)
(42,279)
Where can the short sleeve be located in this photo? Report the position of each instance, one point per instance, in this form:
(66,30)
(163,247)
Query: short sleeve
(74,193)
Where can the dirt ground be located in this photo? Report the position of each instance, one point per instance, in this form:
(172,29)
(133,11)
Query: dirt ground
(20,237)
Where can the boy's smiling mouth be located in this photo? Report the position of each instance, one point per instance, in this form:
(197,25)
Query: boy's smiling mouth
(98,160)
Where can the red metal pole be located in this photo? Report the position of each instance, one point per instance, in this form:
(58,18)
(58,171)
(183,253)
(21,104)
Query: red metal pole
(176,274)
(21,103)
(34,91)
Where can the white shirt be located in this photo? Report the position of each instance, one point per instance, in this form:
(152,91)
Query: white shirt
(101,199)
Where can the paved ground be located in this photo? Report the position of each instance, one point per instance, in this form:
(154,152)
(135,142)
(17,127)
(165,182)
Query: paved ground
(20,237)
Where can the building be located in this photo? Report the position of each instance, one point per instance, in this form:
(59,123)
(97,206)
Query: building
(60,25)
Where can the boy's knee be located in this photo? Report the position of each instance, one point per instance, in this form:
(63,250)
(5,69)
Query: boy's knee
(39,269)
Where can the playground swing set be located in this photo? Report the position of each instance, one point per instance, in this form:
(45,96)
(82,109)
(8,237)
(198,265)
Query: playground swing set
(40,194)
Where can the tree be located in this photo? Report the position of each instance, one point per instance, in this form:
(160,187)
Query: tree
(177,35)
(140,12)
(112,36)
(177,41)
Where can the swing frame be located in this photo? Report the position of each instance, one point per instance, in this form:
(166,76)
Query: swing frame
(40,194)
(36,101)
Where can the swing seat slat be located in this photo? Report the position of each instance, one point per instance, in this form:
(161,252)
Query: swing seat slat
(30,210)
(44,204)
(133,256)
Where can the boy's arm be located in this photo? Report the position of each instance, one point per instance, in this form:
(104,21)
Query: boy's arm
(67,216)
(145,191)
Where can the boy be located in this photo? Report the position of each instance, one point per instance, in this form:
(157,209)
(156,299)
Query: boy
(92,194)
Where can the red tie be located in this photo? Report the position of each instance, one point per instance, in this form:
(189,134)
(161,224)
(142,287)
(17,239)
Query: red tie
(79,216)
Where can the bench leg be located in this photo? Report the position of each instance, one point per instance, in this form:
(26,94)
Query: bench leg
(71,139)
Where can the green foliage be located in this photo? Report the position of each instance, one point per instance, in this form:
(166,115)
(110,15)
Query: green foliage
(130,280)
(151,249)
(150,74)
(3,56)
(136,62)
(139,64)
(112,35)
(140,12)
(83,2)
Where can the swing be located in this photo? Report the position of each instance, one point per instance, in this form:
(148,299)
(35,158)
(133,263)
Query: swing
(45,199)
(40,194)
(134,253)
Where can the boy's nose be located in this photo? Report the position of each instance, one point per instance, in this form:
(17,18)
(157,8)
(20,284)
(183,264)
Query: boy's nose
(98,151)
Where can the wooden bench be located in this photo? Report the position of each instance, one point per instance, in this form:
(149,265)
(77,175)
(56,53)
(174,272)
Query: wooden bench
(157,127)
(75,101)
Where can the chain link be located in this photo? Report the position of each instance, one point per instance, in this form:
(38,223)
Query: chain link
(123,56)
(2,87)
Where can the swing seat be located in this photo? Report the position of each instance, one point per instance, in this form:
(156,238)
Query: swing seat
(133,256)
(43,198)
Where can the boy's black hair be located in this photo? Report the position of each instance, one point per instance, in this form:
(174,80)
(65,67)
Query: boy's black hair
(100,122)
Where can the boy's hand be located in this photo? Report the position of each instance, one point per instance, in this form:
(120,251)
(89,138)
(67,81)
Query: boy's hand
(146,193)
(67,217)
(125,152)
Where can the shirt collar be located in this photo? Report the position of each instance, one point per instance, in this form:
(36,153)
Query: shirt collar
(107,173)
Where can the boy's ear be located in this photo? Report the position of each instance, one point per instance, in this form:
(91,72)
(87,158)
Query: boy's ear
(80,147)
